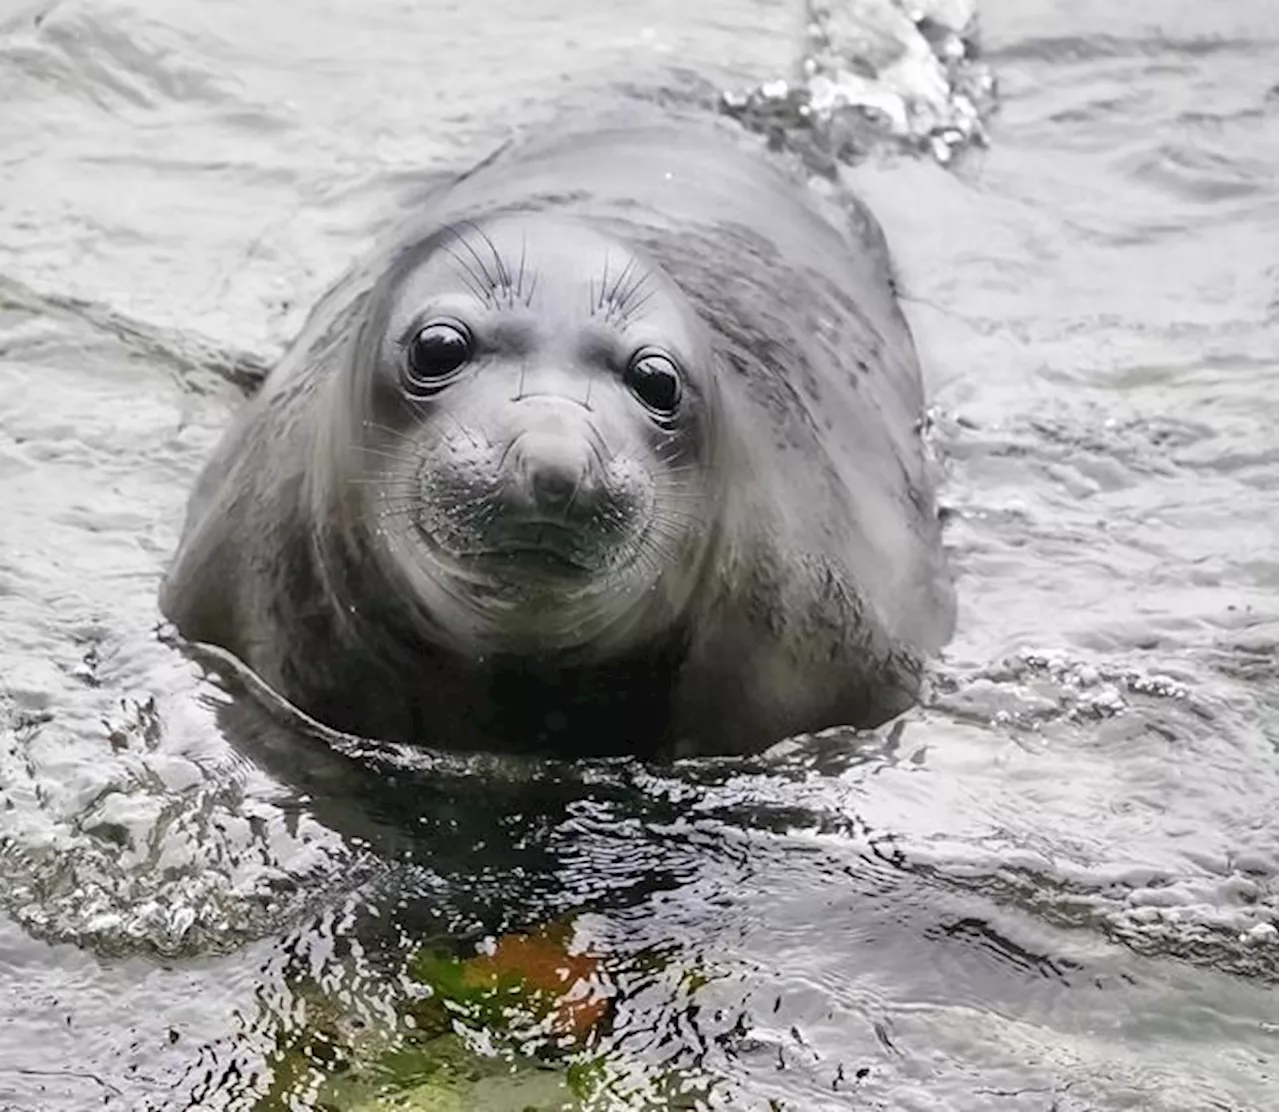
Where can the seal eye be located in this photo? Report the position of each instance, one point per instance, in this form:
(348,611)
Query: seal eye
(654,379)
(435,353)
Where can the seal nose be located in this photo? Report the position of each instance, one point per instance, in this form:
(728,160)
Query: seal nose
(556,474)
(553,477)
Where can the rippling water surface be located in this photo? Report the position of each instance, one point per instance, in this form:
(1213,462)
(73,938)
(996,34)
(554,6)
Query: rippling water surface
(1051,886)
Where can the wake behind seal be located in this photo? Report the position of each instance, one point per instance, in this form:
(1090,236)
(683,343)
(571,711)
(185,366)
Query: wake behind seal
(612,449)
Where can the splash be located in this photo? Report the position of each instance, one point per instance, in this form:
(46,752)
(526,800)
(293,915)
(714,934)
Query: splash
(876,75)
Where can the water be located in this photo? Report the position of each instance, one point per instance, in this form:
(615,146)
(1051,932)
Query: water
(1052,886)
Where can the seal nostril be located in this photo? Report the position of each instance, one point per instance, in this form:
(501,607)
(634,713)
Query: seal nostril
(552,482)
(551,471)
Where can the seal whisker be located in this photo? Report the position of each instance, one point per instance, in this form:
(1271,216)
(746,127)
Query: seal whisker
(422,413)
(573,497)
(489,282)
(399,434)
(502,459)
(672,526)
(638,306)
(676,515)
(396,455)
(480,511)
(518,291)
(612,296)
(504,272)
(622,298)
(394,499)
(646,562)
(395,486)
(599,628)
(678,489)
(597,452)
(604,285)
(678,476)
(470,433)
(635,310)
(480,501)
(630,281)
(675,481)
(397,439)
(674,456)
(477,286)
(597,438)
(667,455)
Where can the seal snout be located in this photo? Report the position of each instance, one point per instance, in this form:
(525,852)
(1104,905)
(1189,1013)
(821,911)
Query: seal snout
(554,475)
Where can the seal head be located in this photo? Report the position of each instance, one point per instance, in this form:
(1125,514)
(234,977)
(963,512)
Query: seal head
(533,415)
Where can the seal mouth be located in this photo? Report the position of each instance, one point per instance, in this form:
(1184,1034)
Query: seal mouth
(539,548)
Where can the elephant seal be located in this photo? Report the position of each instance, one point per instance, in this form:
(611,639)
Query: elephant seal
(613,447)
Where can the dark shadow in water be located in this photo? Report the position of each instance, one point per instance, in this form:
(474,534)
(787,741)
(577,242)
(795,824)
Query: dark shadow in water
(486,843)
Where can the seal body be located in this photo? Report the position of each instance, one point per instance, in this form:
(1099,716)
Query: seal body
(614,447)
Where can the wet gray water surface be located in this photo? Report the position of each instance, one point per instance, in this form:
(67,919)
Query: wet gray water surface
(1052,886)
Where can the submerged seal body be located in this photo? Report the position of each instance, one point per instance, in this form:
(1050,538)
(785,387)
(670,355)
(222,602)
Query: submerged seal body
(614,448)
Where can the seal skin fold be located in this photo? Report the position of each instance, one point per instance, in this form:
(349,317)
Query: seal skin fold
(793,575)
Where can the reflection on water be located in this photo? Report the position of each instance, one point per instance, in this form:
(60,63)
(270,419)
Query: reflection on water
(1052,885)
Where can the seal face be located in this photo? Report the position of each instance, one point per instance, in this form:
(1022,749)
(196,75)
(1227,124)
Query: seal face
(615,448)
(538,439)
